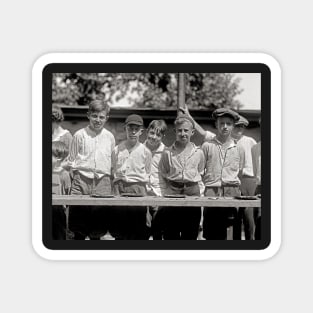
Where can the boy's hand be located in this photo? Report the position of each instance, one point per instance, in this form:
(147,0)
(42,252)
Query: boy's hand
(184,111)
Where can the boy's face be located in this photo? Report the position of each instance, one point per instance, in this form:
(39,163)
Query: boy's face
(97,120)
(238,131)
(184,131)
(225,126)
(154,138)
(133,132)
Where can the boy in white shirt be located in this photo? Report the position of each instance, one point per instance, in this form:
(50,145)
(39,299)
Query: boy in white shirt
(131,169)
(90,160)
(247,186)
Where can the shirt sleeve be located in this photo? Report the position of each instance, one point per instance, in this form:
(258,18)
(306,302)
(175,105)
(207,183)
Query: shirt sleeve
(201,163)
(241,158)
(74,148)
(254,160)
(164,165)
(148,161)
(205,150)
(68,139)
(114,160)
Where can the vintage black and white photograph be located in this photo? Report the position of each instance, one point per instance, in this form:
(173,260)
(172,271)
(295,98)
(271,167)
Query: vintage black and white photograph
(156,156)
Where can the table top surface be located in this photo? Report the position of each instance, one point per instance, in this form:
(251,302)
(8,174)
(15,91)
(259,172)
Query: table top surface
(155,201)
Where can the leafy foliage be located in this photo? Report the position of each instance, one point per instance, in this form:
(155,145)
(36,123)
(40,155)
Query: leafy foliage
(152,90)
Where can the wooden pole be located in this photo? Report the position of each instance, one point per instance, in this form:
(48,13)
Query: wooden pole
(181,92)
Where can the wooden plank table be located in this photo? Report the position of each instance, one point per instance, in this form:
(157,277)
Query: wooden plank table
(155,201)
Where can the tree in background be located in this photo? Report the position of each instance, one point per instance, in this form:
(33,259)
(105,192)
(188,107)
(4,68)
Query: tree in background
(153,90)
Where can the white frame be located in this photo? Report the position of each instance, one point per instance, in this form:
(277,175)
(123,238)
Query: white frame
(154,255)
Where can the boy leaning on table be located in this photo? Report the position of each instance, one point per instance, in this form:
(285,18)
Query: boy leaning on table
(131,169)
(90,159)
(223,162)
(182,165)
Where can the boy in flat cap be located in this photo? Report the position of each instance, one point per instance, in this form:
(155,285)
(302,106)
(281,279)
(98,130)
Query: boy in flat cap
(247,186)
(131,169)
(182,166)
(222,166)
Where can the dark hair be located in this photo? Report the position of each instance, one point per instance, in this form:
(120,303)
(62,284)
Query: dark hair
(99,105)
(182,119)
(159,126)
(57,114)
(59,150)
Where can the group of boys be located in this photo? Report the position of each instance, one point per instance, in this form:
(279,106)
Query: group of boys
(99,167)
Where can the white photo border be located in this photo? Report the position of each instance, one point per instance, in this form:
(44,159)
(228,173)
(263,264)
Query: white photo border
(156,255)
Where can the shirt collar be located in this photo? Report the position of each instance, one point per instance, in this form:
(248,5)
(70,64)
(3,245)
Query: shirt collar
(231,145)
(159,149)
(193,150)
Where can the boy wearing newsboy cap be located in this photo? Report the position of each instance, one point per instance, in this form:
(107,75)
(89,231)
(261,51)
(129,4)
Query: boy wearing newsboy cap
(222,166)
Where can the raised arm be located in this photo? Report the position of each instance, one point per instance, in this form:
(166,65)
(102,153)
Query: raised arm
(204,134)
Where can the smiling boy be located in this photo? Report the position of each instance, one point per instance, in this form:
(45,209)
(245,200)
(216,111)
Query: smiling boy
(90,159)
(156,185)
(182,166)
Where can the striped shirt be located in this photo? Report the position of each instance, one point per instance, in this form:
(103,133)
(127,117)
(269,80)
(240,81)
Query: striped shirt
(91,153)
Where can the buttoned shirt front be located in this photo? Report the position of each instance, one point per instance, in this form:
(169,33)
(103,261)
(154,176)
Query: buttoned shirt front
(91,153)
(131,165)
(222,166)
(156,180)
(185,166)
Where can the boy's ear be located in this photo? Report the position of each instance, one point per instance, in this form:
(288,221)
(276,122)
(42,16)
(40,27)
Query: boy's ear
(192,132)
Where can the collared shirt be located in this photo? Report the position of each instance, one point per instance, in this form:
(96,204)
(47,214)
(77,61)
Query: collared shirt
(221,165)
(132,165)
(91,153)
(184,166)
(256,160)
(246,143)
(156,183)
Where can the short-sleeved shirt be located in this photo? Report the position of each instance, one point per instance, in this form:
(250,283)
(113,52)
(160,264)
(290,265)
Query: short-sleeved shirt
(61,182)
(256,160)
(132,165)
(91,153)
(246,143)
(185,166)
(156,180)
(222,166)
